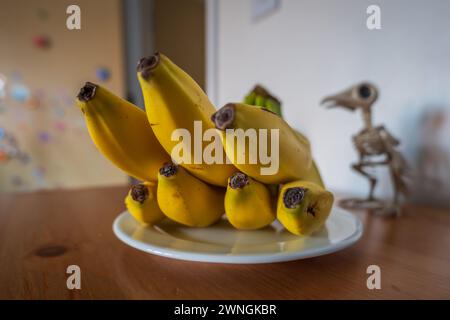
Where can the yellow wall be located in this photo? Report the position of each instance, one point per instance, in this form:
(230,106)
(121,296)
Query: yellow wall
(54,76)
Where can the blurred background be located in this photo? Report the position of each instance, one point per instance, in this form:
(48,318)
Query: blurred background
(301,50)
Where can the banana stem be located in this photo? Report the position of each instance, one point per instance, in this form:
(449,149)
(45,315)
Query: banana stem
(139,193)
(238,180)
(147,64)
(263,92)
(293,197)
(224,117)
(168,169)
(87,92)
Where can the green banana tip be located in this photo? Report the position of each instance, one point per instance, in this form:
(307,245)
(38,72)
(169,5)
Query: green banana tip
(292,197)
(224,117)
(238,180)
(147,64)
(263,92)
(139,193)
(168,169)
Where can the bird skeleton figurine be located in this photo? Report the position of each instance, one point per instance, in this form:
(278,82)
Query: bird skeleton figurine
(375,146)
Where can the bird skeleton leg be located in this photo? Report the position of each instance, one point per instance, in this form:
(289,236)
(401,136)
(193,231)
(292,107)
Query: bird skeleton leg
(372,180)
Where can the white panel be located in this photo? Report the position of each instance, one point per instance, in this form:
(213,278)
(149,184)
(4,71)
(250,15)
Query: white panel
(309,49)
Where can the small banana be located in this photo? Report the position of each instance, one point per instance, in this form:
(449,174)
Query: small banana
(260,96)
(121,132)
(142,204)
(248,203)
(173,100)
(188,200)
(303,207)
(294,152)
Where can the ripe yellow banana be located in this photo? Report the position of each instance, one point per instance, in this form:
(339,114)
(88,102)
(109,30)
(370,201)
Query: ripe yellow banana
(248,203)
(260,96)
(173,100)
(303,207)
(294,152)
(142,204)
(313,175)
(121,132)
(188,200)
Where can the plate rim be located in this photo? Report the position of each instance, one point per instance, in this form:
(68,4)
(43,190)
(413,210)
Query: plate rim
(245,258)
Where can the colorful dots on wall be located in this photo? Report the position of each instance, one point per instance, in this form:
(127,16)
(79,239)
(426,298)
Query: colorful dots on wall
(24,158)
(36,99)
(44,136)
(63,98)
(11,139)
(3,156)
(20,93)
(60,126)
(9,147)
(59,112)
(42,42)
(38,174)
(34,102)
(16,76)
(103,74)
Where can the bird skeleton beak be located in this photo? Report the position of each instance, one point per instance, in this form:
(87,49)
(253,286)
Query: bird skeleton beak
(343,99)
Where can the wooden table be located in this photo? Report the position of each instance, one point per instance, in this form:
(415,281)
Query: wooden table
(42,233)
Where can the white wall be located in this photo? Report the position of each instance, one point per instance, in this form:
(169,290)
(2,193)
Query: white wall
(308,49)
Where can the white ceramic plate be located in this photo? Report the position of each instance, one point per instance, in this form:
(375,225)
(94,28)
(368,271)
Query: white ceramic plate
(223,244)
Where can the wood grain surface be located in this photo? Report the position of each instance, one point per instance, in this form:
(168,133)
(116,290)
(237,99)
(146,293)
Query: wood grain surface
(42,233)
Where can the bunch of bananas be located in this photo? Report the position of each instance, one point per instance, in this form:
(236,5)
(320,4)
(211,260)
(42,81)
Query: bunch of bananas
(198,194)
